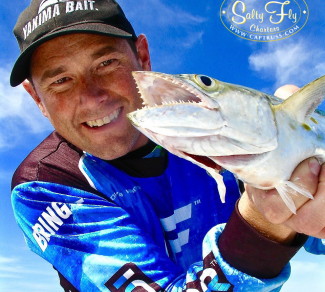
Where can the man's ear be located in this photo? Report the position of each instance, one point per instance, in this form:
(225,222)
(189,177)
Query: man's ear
(32,92)
(143,52)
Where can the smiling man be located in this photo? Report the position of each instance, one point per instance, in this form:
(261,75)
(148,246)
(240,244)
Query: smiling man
(87,93)
(112,211)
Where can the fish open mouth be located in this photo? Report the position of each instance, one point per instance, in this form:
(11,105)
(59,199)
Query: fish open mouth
(205,160)
(158,89)
(219,162)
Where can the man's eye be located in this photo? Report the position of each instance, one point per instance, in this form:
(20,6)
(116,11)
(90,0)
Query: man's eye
(107,62)
(61,80)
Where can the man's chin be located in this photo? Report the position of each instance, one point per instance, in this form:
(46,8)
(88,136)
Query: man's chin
(117,149)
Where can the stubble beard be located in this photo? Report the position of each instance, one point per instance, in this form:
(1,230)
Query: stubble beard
(119,146)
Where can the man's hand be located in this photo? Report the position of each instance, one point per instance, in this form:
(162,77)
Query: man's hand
(266,211)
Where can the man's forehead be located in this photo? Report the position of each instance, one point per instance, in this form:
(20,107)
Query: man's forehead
(80,42)
(64,47)
(66,39)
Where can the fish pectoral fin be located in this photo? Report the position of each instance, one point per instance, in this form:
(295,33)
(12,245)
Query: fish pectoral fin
(303,103)
(288,188)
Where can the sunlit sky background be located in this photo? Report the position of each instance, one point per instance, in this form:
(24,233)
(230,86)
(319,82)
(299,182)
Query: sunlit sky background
(186,36)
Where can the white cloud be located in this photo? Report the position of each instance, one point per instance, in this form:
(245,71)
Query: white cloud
(171,29)
(290,61)
(6,260)
(17,274)
(193,39)
(157,14)
(18,113)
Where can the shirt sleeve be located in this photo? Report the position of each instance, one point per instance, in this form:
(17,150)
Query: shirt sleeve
(315,246)
(97,246)
(248,250)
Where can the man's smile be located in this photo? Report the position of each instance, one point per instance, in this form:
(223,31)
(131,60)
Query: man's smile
(106,120)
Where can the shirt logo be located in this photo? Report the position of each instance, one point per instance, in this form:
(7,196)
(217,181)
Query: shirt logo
(170,226)
(49,223)
(130,277)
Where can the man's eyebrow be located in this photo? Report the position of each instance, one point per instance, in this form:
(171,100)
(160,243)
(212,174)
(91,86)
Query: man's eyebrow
(99,53)
(103,51)
(52,72)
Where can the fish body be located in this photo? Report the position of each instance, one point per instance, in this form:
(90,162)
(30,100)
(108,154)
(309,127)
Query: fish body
(258,137)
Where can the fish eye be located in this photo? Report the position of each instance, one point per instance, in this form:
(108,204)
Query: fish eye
(205,81)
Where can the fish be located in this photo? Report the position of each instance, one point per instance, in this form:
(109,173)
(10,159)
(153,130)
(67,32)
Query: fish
(258,137)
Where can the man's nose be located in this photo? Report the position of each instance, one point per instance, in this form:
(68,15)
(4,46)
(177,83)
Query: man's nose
(92,91)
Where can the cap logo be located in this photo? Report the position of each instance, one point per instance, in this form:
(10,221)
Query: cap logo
(51,8)
(46,3)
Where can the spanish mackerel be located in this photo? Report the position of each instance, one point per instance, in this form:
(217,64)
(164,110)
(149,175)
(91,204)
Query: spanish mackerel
(258,137)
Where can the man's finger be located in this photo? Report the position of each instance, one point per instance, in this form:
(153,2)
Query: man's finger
(270,203)
(306,177)
(310,218)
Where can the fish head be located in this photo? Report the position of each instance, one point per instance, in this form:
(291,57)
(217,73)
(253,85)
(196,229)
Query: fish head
(199,115)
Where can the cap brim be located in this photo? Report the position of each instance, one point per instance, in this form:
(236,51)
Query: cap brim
(20,69)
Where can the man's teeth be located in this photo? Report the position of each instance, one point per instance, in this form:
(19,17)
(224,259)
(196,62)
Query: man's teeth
(104,121)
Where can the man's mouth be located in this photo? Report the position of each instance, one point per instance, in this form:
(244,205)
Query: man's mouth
(104,121)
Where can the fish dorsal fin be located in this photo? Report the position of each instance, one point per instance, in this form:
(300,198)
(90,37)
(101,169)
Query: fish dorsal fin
(302,103)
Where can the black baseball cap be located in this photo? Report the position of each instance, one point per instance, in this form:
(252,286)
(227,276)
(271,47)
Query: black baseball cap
(43,20)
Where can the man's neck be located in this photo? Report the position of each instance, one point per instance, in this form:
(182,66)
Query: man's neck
(147,161)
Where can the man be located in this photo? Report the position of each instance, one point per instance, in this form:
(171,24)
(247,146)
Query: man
(111,210)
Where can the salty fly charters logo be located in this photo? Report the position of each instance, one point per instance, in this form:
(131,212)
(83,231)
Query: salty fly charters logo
(264,20)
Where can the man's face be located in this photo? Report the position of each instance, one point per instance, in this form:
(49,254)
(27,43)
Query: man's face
(83,85)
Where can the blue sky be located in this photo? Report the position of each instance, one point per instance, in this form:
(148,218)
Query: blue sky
(185,36)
